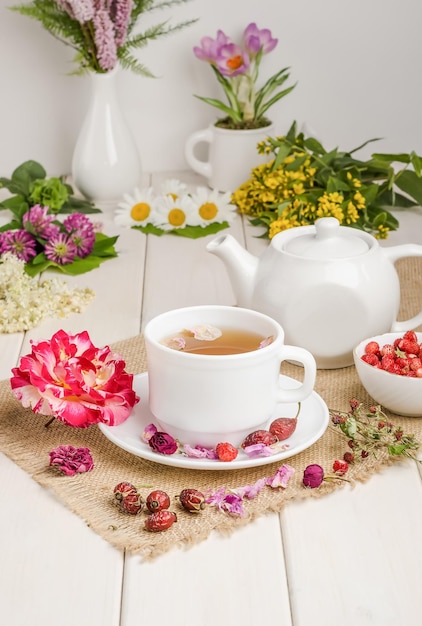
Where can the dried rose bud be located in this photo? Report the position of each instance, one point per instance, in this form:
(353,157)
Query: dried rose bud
(70,460)
(161,520)
(163,443)
(313,476)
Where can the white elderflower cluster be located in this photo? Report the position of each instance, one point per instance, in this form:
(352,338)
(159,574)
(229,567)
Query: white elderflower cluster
(26,301)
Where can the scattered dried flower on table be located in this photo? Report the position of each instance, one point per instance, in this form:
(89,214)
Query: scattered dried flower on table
(70,460)
(313,476)
(369,431)
(231,501)
(25,301)
(163,443)
(72,380)
(304,182)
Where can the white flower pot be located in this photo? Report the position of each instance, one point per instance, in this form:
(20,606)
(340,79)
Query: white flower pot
(231,155)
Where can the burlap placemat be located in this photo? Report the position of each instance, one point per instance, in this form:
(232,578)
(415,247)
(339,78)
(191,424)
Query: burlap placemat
(25,440)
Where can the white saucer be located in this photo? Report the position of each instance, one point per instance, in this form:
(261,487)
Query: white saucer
(312,423)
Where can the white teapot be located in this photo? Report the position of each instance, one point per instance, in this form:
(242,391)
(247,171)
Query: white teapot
(329,286)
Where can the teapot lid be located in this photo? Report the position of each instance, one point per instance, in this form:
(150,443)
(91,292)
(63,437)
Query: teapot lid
(328,240)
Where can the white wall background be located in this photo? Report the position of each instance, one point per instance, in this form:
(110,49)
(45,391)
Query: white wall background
(358,66)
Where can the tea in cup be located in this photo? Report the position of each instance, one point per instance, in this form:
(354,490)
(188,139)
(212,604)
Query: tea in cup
(214,372)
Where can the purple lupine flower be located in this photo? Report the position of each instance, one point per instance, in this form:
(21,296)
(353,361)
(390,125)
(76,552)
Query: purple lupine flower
(104,40)
(210,47)
(61,249)
(21,243)
(80,10)
(120,12)
(232,60)
(81,231)
(255,39)
(39,223)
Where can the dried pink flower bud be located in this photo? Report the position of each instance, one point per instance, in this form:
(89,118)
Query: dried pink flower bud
(70,460)
(313,476)
(163,443)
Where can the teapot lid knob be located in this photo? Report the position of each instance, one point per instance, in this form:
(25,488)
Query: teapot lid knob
(328,239)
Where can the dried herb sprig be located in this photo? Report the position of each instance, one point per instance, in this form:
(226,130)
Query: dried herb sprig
(369,431)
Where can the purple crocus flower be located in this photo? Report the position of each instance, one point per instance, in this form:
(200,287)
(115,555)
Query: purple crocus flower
(61,249)
(232,60)
(39,223)
(255,39)
(210,47)
(104,40)
(21,243)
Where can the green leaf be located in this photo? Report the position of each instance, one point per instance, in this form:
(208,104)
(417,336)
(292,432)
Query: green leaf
(236,117)
(104,246)
(193,232)
(27,173)
(411,184)
(392,158)
(313,145)
(16,204)
(282,152)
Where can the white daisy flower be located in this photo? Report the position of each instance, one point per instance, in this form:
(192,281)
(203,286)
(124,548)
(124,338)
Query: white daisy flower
(211,206)
(137,209)
(177,213)
(174,188)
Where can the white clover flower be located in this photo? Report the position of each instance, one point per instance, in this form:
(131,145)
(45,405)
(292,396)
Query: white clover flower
(25,302)
(137,209)
(176,213)
(211,206)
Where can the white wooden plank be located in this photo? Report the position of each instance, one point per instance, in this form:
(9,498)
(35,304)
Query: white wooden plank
(235,579)
(54,569)
(353,557)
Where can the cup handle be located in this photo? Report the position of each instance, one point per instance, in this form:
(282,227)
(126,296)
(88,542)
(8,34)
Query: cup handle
(394,253)
(305,358)
(201,167)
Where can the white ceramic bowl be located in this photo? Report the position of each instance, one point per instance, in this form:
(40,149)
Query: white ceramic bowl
(400,394)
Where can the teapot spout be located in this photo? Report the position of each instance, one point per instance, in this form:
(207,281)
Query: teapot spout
(241,266)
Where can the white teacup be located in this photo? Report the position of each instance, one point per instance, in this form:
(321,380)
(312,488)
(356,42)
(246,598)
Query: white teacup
(204,399)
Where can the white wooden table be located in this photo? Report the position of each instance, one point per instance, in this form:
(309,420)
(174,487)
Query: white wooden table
(352,558)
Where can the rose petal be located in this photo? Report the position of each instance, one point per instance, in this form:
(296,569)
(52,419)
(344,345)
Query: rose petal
(205,332)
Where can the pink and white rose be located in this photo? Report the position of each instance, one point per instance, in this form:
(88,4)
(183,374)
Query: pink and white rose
(72,380)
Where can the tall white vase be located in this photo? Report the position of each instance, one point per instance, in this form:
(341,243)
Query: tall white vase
(106,162)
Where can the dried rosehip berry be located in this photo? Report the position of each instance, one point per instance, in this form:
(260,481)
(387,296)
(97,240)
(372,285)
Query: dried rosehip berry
(127,498)
(259,436)
(159,521)
(157,501)
(226,452)
(192,500)
(283,427)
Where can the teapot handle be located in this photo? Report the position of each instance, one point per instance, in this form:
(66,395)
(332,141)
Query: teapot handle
(393,254)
